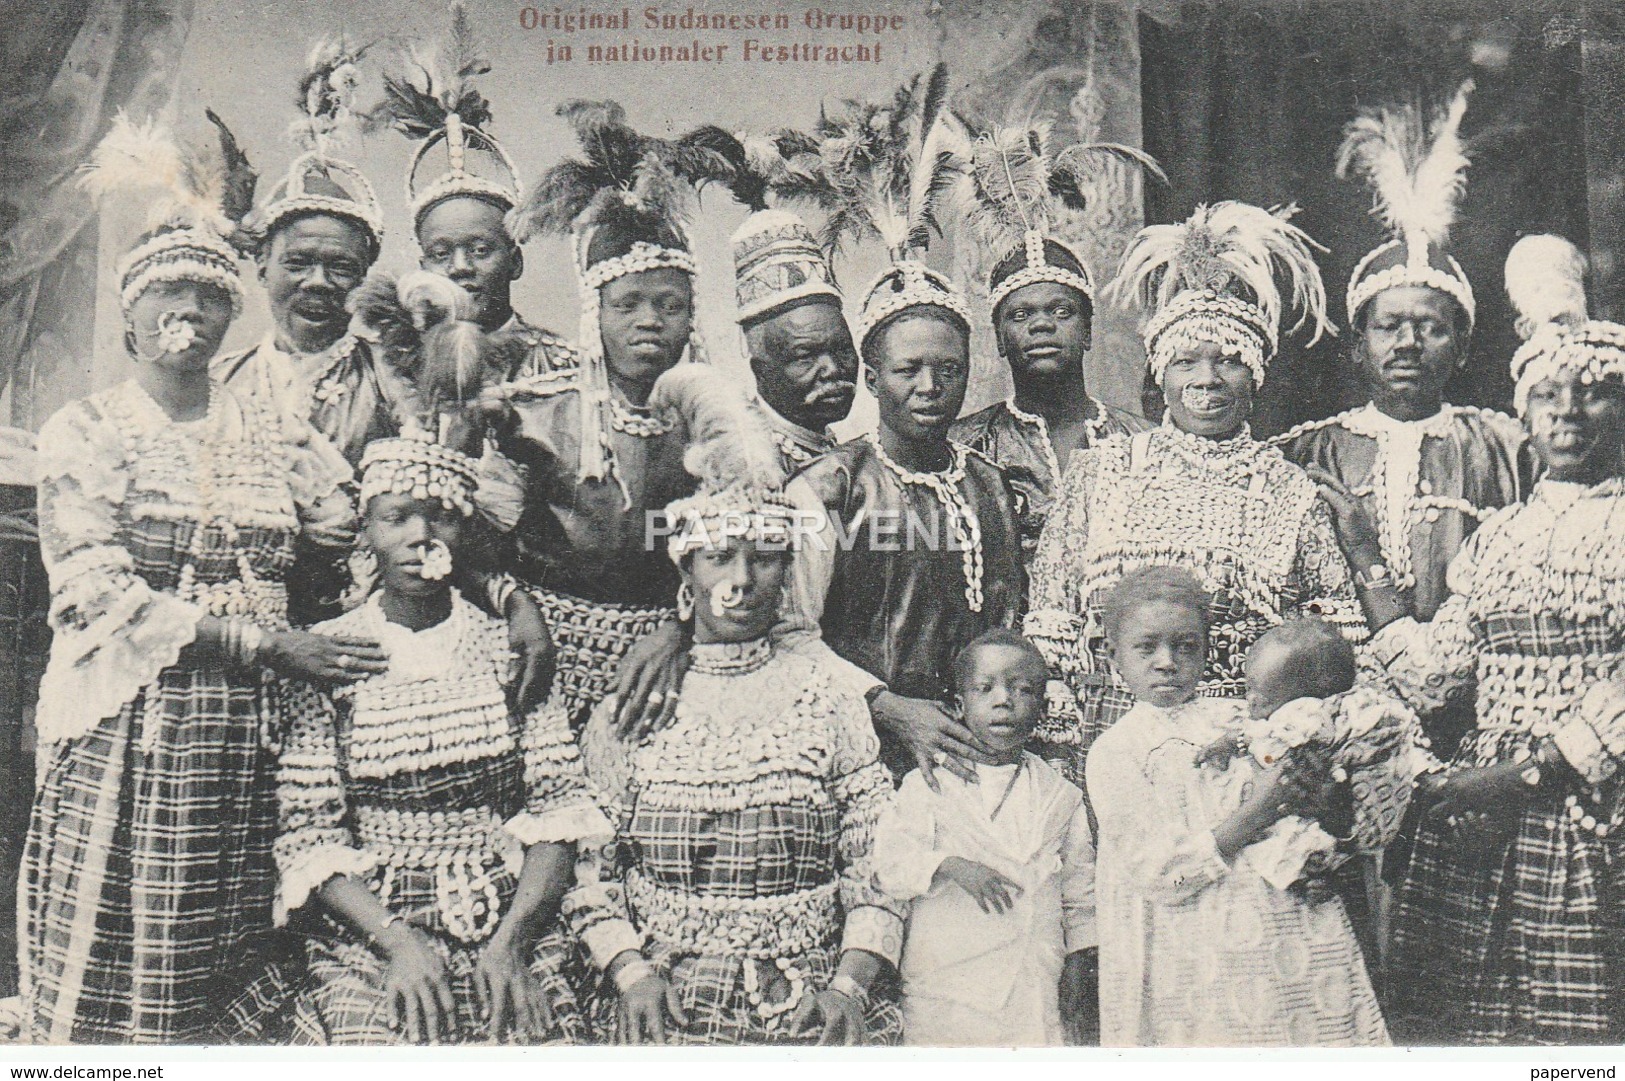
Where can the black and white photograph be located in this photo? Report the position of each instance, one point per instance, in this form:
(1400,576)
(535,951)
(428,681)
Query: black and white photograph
(883,524)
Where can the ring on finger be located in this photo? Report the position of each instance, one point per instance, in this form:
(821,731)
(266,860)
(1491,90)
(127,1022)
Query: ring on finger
(938,758)
(346,661)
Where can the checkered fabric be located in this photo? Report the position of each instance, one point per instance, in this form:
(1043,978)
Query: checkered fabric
(344,1002)
(148,876)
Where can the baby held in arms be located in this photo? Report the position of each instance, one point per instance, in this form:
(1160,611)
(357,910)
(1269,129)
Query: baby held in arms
(1302,698)
(997,874)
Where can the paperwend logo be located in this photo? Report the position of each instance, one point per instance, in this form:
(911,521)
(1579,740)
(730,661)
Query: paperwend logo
(815,530)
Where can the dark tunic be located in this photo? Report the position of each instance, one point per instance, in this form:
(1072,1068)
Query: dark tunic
(897,609)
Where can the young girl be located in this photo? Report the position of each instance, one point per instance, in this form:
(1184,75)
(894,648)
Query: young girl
(1196,947)
(429,826)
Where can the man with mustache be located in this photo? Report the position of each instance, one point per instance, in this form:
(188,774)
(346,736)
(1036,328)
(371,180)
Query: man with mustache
(796,338)
(1426,472)
(1043,309)
(319,233)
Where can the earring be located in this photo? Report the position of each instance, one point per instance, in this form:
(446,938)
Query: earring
(685,602)
(363,567)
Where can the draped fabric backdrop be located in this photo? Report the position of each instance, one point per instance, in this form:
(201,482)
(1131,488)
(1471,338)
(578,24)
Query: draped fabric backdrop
(1244,100)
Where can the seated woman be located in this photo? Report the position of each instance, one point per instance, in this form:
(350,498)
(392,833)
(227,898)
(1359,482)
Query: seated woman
(432,826)
(738,905)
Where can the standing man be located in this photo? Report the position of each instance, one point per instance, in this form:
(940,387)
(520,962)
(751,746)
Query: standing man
(918,550)
(796,338)
(1043,310)
(1426,471)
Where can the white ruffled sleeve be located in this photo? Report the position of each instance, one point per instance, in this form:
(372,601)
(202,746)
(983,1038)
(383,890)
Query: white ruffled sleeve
(906,857)
(559,807)
(313,841)
(862,789)
(113,634)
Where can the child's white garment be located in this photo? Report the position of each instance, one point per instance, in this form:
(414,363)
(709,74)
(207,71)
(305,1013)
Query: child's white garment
(1194,949)
(1290,843)
(972,977)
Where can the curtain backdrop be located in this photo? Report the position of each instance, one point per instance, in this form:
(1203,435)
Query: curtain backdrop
(1244,100)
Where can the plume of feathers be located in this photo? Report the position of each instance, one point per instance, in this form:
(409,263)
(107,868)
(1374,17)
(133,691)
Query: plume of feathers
(1221,247)
(1417,171)
(326,96)
(875,168)
(624,171)
(729,442)
(1013,179)
(1545,280)
(238,180)
(180,186)
(434,84)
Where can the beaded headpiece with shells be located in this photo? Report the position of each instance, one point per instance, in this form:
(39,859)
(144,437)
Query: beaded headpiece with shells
(318,182)
(624,204)
(1545,280)
(1015,182)
(194,204)
(415,465)
(1212,279)
(732,456)
(434,99)
(1417,172)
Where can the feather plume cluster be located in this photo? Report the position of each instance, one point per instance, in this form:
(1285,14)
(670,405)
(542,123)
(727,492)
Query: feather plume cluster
(326,95)
(623,171)
(880,168)
(1545,280)
(435,83)
(1417,169)
(1227,248)
(180,186)
(729,444)
(1014,179)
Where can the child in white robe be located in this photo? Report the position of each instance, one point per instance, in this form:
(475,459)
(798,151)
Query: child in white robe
(998,875)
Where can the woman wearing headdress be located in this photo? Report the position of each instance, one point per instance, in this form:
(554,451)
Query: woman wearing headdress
(170,511)
(427,827)
(1507,924)
(737,905)
(1198,492)
(599,451)
(1017,183)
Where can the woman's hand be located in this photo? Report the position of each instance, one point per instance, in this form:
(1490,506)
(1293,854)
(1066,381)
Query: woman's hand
(1483,797)
(648,681)
(321,659)
(1356,527)
(415,984)
(535,657)
(937,740)
(841,1016)
(993,892)
(510,996)
(644,1009)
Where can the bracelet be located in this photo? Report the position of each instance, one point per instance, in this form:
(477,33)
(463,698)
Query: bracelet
(632,973)
(1377,576)
(250,639)
(843,984)
(501,588)
(389,921)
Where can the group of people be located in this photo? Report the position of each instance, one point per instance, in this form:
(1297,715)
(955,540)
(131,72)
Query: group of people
(378,711)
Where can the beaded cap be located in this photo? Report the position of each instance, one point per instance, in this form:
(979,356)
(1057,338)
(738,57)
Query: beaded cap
(1545,279)
(778,263)
(1417,173)
(908,284)
(189,202)
(1212,279)
(415,465)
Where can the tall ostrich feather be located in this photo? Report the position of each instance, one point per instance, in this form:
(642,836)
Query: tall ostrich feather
(1545,280)
(1221,248)
(1417,171)
(179,186)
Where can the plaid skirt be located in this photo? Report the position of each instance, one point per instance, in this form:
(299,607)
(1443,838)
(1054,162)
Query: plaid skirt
(591,639)
(1516,939)
(712,991)
(147,875)
(343,1001)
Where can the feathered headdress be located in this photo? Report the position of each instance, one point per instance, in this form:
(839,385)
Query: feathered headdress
(1545,280)
(1417,171)
(186,195)
(624,204)
(317,182)
(1212,279)
(435,99)
(1014,182)
(876,169)
(732,456)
